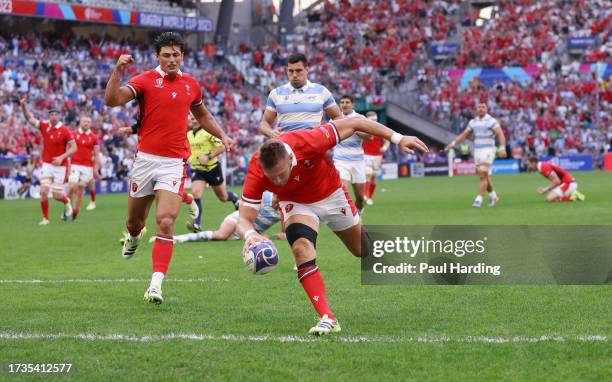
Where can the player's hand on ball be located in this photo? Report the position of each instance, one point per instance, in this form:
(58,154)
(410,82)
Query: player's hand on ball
(410,143)
(124,61)
(253,238)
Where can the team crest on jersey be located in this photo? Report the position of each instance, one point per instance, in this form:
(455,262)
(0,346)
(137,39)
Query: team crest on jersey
(173,94)
(188,89)
(159,83)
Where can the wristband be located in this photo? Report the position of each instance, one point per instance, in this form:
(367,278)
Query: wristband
(396,138)
(248,233)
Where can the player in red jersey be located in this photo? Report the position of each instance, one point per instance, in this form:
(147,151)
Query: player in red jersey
(165,96)
(85,163)
(562,187)
(295,168)
(58,146)
(373,151)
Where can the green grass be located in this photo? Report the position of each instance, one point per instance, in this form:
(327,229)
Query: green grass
(224,300)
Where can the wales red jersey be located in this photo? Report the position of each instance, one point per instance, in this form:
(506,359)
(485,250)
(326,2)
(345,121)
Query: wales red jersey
(85,142)
(313,174)
(373,147)
(55,139)
(547,168)
(164,104)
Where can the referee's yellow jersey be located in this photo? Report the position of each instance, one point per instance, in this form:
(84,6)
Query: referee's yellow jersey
(202,143)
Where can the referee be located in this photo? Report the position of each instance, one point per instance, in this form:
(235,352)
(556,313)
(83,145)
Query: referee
(205,152)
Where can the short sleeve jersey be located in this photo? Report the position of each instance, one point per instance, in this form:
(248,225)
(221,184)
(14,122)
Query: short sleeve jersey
(85,144)
(55,139)
(313,174)
(163,107)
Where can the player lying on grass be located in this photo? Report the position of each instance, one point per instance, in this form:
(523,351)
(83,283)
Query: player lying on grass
(295,167)
(228,230)
(562,187)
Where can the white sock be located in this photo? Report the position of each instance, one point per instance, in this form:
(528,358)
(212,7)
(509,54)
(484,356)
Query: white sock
(207,235)
(492,195)
(157,279)
(478,198)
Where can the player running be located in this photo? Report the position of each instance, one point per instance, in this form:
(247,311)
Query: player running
(484,128)
(228,230)
(165,95)
(348,155)
(294,167)
(85,163)
(299,104)
(562,187)
(205,152)
(373,150)
(58,146)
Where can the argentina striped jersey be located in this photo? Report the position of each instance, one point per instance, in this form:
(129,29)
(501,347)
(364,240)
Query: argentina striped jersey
(299,109)
(350,149)
(268,216)
(483,130)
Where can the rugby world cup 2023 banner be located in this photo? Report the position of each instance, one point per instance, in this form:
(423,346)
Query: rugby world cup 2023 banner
(75,12)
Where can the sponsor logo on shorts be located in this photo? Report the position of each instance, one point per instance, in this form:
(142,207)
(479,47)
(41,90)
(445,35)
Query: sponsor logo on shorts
(343,211)
(288,208)
(134,187)
(174,182)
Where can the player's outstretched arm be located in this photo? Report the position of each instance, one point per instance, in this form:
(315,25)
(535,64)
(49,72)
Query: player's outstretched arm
(246,226)
(333,112)
(501,138)
(26,113)
(347,127)
(209,123)
(115,94)
(460,138)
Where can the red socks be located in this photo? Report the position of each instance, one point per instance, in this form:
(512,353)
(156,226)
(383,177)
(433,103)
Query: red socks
(65,199)
(135,233)
(44,207)
(93,196)
(372,188)
(367,189)
(566,199)
(314,286)
(162,253)
(187,199)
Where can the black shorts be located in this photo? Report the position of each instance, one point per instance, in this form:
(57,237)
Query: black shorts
(214,177)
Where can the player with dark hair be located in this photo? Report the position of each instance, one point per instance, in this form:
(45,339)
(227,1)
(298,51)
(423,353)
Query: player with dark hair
(562,187)
(165,95)
(373,150)
(295,168)
(299,104)
(58,146)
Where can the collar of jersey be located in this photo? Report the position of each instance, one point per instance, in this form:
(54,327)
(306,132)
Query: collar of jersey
(293,158)
(163,74)
(539,166)
(57,125)
(303,88)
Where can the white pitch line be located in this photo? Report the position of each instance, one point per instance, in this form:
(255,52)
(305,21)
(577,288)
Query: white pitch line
(114,281)
(298,339)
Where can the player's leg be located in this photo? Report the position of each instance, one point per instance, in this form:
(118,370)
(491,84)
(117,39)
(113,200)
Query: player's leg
(78,200)
(92,193)
(45,185)
(352,239)
(215,179)
(358,178)
(168,205)
(60,177)
(197,189)
(359,192)
(482,184)
(138,210)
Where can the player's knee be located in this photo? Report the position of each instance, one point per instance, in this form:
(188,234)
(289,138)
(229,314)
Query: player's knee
(301,238)
(165,223)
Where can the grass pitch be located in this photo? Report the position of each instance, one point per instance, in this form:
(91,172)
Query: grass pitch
(68,296)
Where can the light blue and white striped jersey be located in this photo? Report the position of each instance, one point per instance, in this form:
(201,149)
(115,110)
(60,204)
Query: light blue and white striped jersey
(484,136)
(268,216)
(350,149)
(299,109)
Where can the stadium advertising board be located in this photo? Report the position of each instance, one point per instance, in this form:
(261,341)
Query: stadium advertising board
(76,12)
(464,168)
(580,43)
(442,51)
(389,171)
(435,169)
(505,166)
(571,162)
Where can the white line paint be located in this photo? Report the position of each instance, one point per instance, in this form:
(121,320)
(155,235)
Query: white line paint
(299,339)
(114,281)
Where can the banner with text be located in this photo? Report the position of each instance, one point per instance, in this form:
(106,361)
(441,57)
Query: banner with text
(457,255)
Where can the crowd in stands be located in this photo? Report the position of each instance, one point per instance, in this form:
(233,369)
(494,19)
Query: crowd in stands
(70,74)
